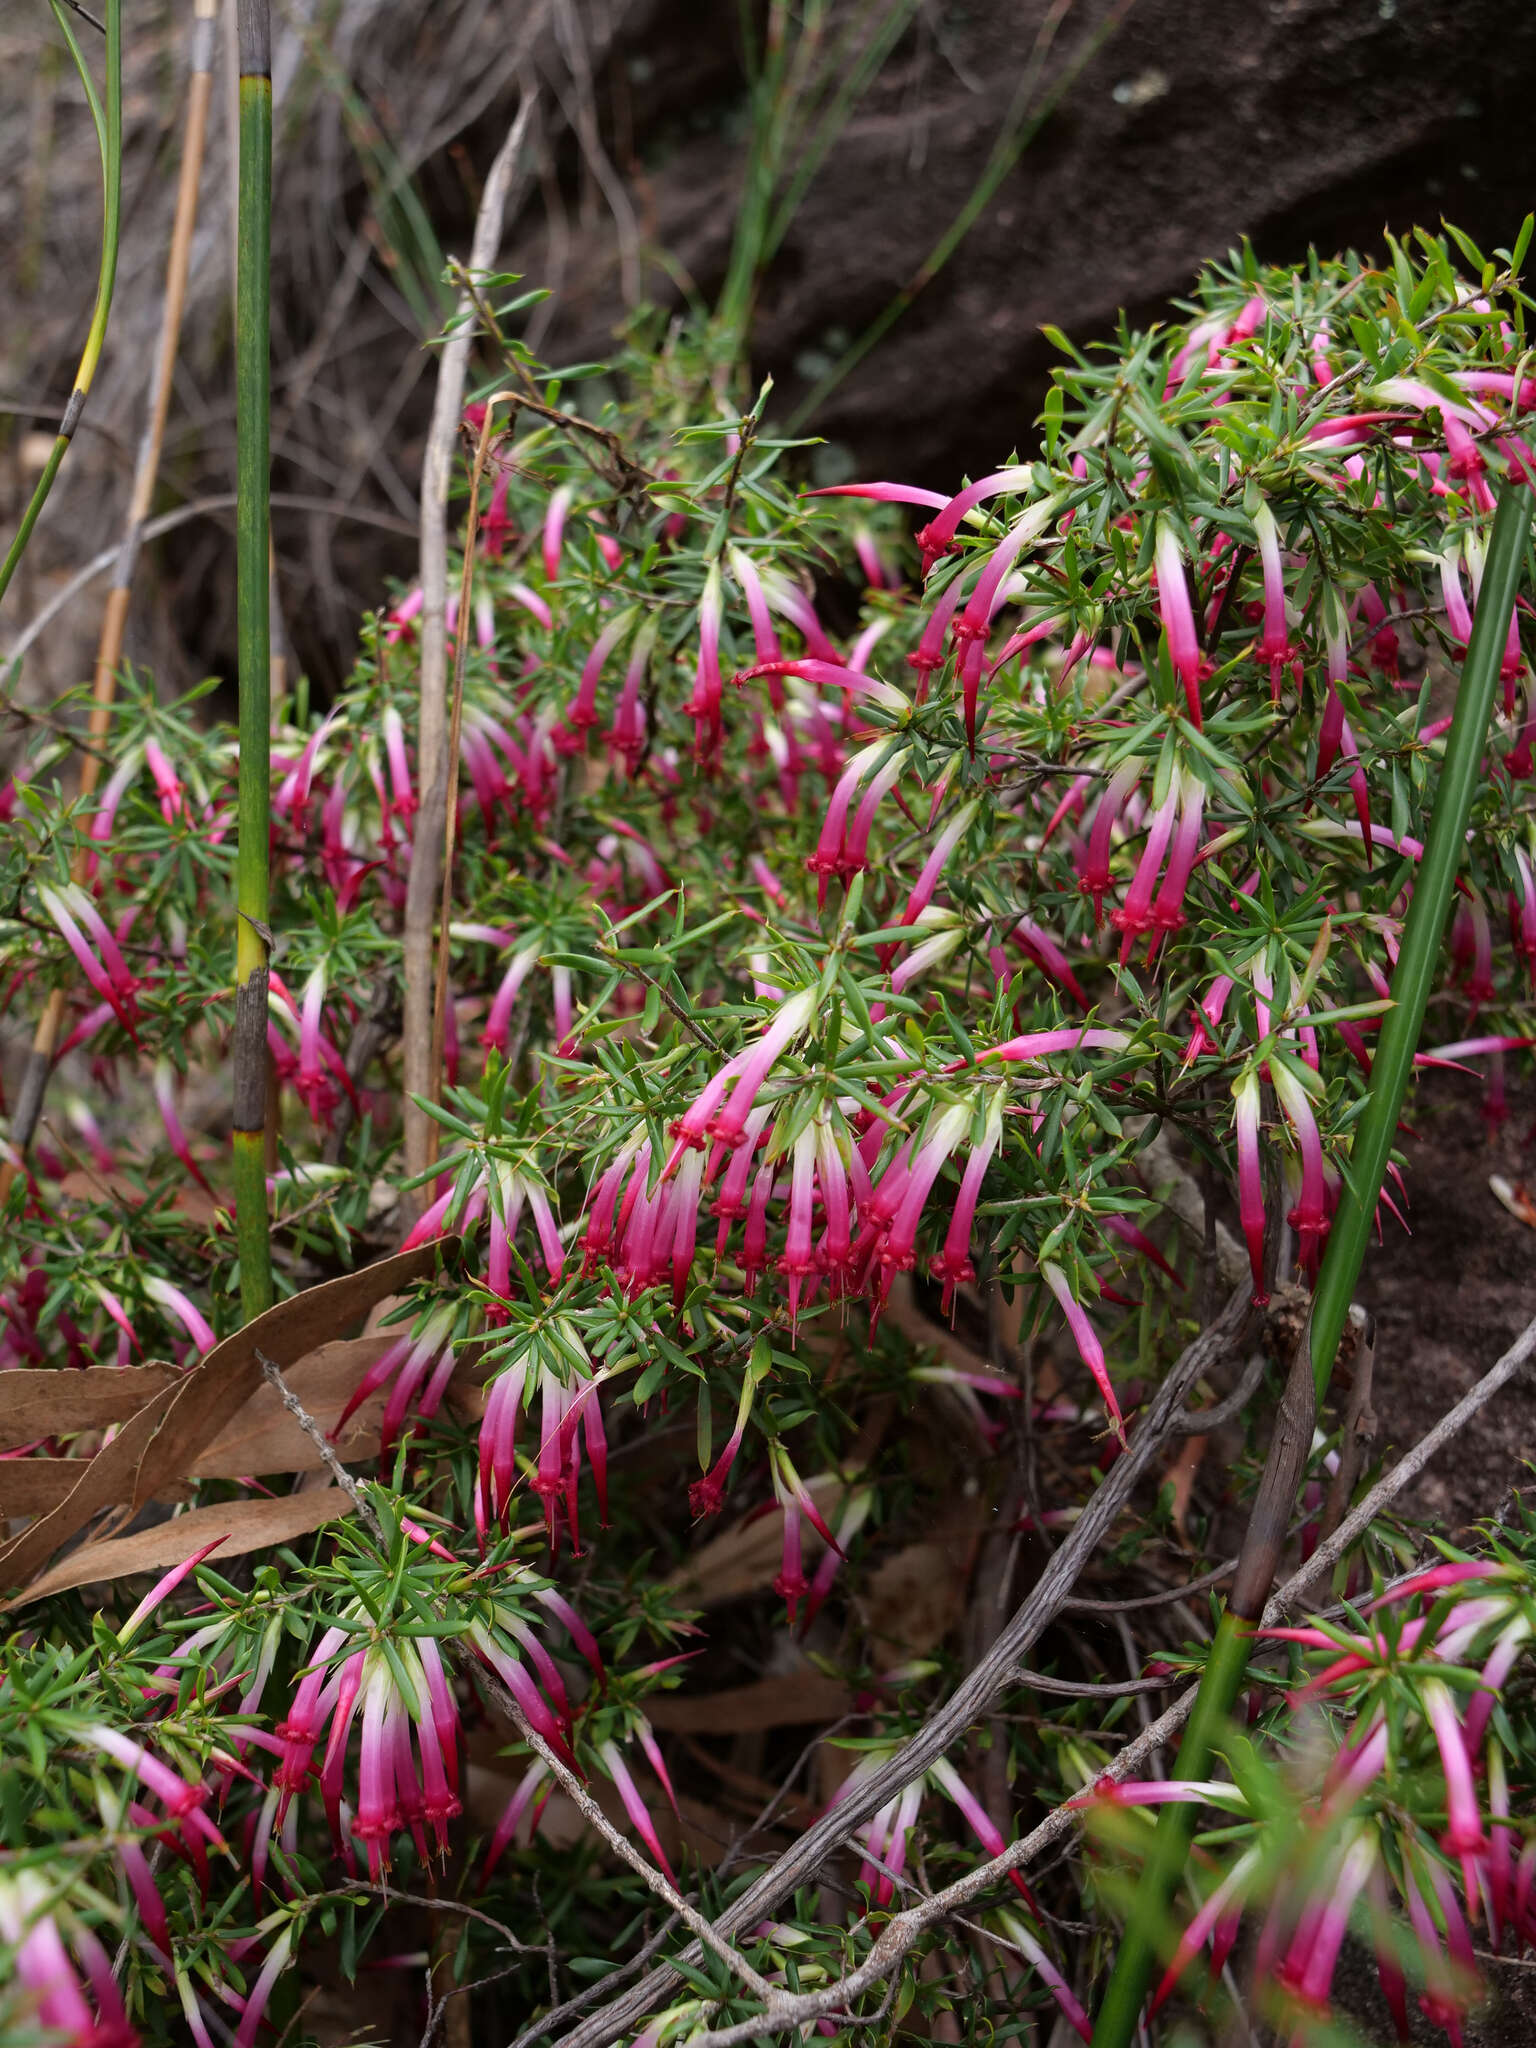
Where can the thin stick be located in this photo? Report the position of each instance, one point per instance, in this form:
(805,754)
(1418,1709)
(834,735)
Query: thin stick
(167,522)
(451,765)
(109,649)
(272,1373)
(971,1698)
(253,541)
(427,841)
(109,133)
(899,1934)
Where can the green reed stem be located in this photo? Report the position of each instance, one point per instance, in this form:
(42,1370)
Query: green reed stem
(252,538)
(1418,962)
(109,136)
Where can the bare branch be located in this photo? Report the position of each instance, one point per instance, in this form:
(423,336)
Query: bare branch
(901,1932)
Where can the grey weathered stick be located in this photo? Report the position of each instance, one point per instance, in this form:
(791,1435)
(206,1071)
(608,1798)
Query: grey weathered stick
(904,1928)
(970,1699)
(431,732)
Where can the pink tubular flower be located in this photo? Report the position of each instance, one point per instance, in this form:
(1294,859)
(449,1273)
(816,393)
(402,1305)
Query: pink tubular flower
(729,1124)
(554,530)
(531,602)
(634,1805)
(970,629)
(566,1408)
(183,1801)
(164,1586)
(953,1264)
(856,1510)
(581,712)
(1036,1045)
(402,803)
(1040,947)
(930,647)
(937,537)
(167,782)
(1178,616)
(796,1500)
(706,1496)
(829,675)
(1455,600)
(1307,1971)
(176,1304)
(1309,1218)
(1093,865)
(1135,915)
(798,1261)
(1274,641)
(708,690)
(519,967)
(52,1998)
(764,639)
(261,1991)
(529,1785)
(922,889)
(1250,1176)
(1086,1338)
(1464,1836)
(791,602)
(112,794)
(70,908)
(165,1101)
(896,1251)
(1168,910)
(1220,1903)
(884,494)
(626,736)
(855,850)
(959,1794)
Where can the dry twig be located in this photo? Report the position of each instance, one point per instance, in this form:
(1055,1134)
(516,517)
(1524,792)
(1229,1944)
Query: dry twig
(431,732)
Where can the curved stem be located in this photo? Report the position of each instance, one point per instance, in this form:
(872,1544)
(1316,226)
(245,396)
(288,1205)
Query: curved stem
(109,133)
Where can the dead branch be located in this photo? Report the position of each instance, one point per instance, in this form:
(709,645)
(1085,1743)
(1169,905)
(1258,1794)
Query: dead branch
(431,731)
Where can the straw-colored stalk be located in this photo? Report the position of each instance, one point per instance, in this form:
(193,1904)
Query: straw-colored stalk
(109,136)
(253,625)
(423,883)
(109,648)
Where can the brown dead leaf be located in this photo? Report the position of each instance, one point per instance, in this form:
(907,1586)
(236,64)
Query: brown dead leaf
(746,1557)
(806,1697)
(1515,1196)
(914,1598)
(35,1486)
(264,1437)
(163,1439)
(41,1404)
(244,1525)
(1182,1472)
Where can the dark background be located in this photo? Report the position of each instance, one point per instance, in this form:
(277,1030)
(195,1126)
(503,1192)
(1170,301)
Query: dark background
(1296,123)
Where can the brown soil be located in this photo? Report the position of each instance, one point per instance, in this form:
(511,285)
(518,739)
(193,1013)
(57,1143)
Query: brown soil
(1450,1298)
